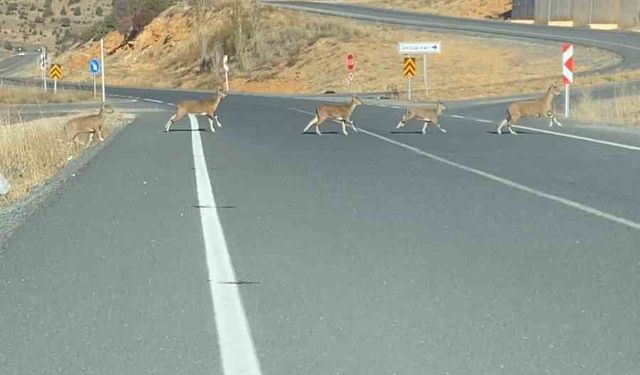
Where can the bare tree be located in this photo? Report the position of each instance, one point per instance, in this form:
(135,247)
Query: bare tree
(239,35)
(207,63)
(255,25)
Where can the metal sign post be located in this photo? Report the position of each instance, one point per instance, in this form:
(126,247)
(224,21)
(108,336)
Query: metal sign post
(44,68)
(424,49)
(424,69)
(567,74)
(104,68)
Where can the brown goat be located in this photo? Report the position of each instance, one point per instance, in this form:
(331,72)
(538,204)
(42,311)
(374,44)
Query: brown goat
(203,107)
(91,125)
(428,115)
(337,112)
(542,106)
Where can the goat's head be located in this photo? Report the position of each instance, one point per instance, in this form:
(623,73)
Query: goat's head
(356,101)
(440,106)
(107,109)
(553,88)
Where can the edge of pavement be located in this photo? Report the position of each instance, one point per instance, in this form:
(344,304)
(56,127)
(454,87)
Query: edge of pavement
(13,217)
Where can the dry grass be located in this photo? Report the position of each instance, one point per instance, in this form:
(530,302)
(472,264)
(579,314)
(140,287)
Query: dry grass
(32,95)
(623,110)
(33,152)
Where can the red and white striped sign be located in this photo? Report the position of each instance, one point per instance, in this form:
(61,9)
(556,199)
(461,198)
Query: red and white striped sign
(567,63)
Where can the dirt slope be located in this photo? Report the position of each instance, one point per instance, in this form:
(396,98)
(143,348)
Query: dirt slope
(306,54)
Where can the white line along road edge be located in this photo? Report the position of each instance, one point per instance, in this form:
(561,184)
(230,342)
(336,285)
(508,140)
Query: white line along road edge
(234,335)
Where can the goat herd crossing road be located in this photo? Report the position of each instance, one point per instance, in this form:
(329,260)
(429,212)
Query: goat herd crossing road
(260,250)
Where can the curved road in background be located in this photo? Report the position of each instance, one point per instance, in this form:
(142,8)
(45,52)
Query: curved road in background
(384,252)
(626,44)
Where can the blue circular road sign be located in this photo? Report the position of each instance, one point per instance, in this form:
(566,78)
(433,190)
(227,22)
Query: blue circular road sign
(94,66)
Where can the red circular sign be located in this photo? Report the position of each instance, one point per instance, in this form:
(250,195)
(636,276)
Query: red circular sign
(350,62)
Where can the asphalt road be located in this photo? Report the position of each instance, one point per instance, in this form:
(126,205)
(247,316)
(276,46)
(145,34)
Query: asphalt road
(260,250)
(351,254)
(12,62)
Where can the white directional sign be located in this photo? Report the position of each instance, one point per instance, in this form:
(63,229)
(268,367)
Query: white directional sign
(225,63)
(419,48)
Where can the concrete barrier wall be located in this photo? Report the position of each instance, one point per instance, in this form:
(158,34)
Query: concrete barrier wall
(629,13)
(626,13)
(523,9)
(553,10)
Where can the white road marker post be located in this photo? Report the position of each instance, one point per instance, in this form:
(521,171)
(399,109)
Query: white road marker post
(225,66)
(567,74)
(104,68)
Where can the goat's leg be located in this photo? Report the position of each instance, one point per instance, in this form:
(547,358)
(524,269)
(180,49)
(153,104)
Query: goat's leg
(344,127)
(513,132)
(440,127)
(424,127)
(353,126)
(210,119)
(76,140)
(215,117)
(555,119)
(90,139)
(100,135)
(311,123)
(502,124)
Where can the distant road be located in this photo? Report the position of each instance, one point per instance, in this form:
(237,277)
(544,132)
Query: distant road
(626,44)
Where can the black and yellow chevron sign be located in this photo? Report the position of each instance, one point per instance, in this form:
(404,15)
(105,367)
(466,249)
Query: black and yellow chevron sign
(409,66)
(55,72)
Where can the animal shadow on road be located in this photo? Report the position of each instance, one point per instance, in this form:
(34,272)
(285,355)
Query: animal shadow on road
(523,132)
(221,206)
(406,132)
(185,130)
(323,133)
(239,282)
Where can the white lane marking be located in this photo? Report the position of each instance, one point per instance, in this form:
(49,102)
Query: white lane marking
(301,111)
(512,184)
(234,335)
(567,135)
(457,116)
(581,138)
(153,101)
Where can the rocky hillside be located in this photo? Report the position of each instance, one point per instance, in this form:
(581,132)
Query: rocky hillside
(49,22)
